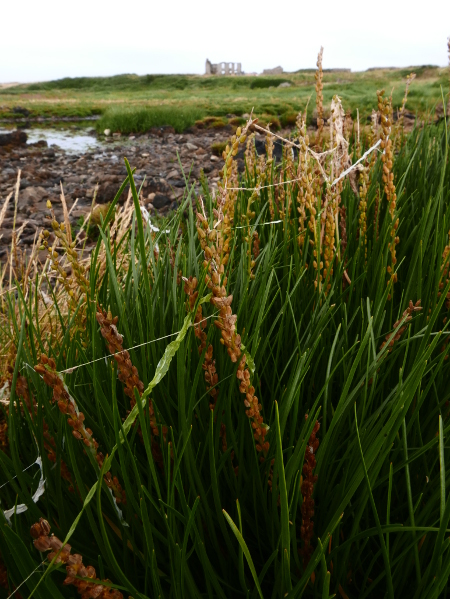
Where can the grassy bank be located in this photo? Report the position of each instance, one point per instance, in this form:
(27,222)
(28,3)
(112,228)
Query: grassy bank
(219,96)
(138,119)
(277,425)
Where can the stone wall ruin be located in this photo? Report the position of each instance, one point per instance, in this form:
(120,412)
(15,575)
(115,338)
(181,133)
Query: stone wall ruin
(274,71)
(223,68)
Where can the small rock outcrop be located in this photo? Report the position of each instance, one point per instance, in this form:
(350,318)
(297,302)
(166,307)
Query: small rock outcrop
(15,138)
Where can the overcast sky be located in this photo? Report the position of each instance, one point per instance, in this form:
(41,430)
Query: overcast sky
(49,39)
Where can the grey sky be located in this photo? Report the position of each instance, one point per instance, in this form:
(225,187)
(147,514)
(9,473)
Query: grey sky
(48,39)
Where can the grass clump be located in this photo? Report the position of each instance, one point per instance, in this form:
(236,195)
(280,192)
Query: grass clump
(288,119)
(138,119)
(265,82)
(211,122)
(218,147)
(206,122)
(270,119)
(251,401)
(236,121)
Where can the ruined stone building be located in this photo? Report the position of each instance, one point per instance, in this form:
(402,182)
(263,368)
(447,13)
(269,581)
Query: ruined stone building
(274,71)
(223,68)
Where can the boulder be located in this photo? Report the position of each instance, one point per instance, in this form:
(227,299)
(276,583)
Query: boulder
(106,192)
(39,210)
(157,185)
(32,195)
(160,201)
(16,138)
(260,146)
(21,110)
(176,183)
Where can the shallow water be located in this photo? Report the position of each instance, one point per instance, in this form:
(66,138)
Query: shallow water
(70,140)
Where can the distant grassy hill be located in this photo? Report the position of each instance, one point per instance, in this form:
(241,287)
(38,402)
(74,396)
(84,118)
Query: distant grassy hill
(201,97)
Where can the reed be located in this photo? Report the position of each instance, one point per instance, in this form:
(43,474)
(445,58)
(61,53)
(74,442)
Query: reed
(203,343)
(448,47)
(319,97)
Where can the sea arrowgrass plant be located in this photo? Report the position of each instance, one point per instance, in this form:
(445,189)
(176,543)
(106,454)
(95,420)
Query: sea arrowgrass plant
(245,497)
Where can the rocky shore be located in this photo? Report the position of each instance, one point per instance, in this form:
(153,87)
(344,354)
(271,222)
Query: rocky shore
(154,155)
(163,160)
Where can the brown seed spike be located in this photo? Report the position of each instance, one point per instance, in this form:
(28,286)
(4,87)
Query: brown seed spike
(76,571)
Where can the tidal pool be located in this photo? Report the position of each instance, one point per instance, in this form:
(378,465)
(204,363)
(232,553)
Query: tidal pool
(70,140)
(67,139)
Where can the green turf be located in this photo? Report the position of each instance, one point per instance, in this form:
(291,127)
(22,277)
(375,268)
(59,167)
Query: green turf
(219,96)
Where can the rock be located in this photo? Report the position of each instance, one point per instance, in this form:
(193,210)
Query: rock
(78,192)
(16,138)
(260,146)
(285,84)
(190,146)
(72,179)
(111,179)
(42,143)
(6,237)
(32,195)
(407,114)
(75,214)
(213,158)
(20,110)
(107,132)
(176,183)
(29,240)
(160,201)
(157,185)
(107,192)
(161,131)
(39,210)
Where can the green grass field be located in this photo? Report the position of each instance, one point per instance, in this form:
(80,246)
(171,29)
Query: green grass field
(200,97)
